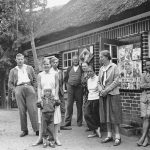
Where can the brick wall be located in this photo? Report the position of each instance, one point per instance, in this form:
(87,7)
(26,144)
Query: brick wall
(144,46)
(131,107)
(96,57)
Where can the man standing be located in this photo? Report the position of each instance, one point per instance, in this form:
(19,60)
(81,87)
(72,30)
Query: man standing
(54,69)
(74,90)
(22,82)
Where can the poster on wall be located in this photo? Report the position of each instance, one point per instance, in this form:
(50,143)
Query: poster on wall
(86,54)
(137,69)
(130,66)
(125,52)
(136,54)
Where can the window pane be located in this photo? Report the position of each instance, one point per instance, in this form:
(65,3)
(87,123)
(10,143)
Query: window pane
(65,64)
(69,63)
(69,55)
(65,56)
(114,51)
(106,47)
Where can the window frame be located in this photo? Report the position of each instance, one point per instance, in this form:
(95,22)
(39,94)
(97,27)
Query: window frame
(110,50)
(67,52)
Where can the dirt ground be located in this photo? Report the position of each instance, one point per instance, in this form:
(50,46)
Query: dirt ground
(75,139)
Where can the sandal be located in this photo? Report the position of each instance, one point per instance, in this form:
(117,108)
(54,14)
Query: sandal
(107,139)
(92,135)
(139,144)
(117,142)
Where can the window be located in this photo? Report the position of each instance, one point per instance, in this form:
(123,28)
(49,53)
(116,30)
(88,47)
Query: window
(67,61)
(67,58)
(113,51)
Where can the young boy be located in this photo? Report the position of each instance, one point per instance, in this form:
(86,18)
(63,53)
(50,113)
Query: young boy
(47,106)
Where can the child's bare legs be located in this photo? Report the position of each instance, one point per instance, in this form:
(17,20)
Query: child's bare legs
(56,130)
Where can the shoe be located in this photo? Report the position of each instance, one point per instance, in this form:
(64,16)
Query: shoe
(44,145)
(98,132)
(57,142)
(67,124)
(52,144)
(37,133)
(92,135)
(107,139)
(65,128)
(40,141)
(24,133)
(117,142)
(139,144)
(145,144)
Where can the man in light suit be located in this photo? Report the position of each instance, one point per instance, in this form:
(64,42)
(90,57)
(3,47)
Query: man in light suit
(22,82)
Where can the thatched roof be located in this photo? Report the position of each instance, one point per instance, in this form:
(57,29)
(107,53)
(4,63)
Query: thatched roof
(78,13)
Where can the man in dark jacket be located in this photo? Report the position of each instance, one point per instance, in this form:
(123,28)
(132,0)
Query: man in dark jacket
(74,90)
(22,82)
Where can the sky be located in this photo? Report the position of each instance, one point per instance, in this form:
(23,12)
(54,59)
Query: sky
(52,3)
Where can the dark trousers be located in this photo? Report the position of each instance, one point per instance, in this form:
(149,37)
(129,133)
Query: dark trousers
(48,125)
(26,101)
(62,105)
(74,94)
(92,114)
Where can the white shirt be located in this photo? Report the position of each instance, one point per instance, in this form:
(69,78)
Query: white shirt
(48,81)
(104,69)
(92,84)
(22,75)
(75,68)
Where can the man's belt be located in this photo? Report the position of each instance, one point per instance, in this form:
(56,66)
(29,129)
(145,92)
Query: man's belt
(24,84)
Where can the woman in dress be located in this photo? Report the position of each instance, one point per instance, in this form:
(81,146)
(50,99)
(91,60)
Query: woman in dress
(48,80)
(110,102)
(145,104)
(91,114)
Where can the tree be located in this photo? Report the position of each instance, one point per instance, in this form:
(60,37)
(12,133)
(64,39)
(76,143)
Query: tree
(17,23)
(27,12)
(7,38)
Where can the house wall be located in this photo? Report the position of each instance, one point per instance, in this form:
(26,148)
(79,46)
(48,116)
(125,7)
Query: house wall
(130,98)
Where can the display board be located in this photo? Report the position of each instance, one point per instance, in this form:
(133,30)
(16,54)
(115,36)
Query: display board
(130,66)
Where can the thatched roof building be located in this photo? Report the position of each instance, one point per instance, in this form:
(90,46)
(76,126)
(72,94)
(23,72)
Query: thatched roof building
(79,16)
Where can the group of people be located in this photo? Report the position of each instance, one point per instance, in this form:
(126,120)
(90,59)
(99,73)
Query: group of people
(44,91)
(97,98)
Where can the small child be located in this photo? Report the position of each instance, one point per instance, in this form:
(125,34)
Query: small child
(47,106)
